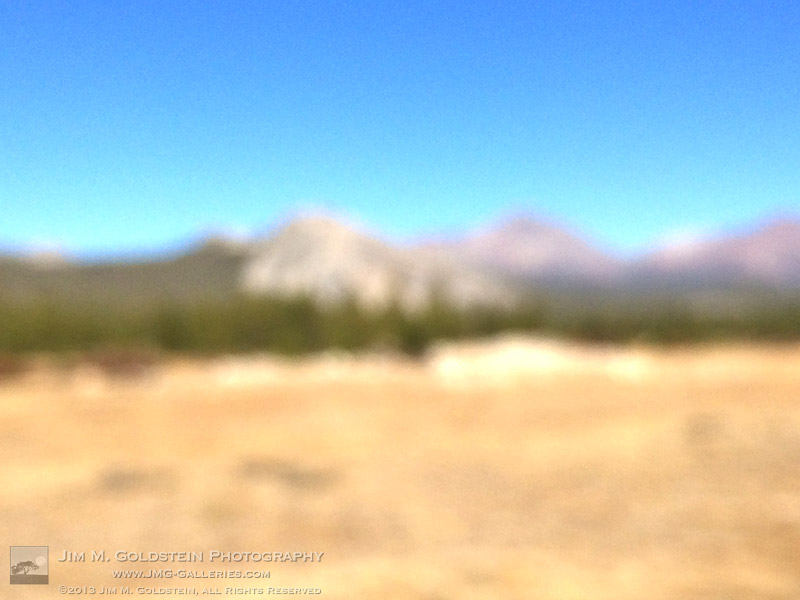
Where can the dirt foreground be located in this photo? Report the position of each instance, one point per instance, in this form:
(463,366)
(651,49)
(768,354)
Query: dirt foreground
(515,469)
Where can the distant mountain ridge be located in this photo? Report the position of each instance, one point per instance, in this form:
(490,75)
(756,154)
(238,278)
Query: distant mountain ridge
(769,255)
(330,261)
(535,250)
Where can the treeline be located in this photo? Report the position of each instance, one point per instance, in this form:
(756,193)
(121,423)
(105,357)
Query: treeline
(298,325)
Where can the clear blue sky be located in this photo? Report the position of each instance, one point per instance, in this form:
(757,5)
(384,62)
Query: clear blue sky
(130,125)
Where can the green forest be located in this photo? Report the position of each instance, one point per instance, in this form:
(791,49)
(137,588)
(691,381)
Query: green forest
(294,326)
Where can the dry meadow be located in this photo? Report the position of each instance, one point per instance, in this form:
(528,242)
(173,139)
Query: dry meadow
(514,469)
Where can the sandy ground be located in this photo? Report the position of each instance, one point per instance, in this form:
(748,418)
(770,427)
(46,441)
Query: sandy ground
(517,469)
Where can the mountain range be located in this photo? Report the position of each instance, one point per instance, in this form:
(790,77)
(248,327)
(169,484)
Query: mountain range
(498,266)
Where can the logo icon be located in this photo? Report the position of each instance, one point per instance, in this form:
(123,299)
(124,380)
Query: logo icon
(29,565)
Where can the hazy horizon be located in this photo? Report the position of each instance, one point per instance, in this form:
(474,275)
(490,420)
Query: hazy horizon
(204,233)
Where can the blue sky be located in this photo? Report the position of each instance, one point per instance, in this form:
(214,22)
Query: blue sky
(137,125)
